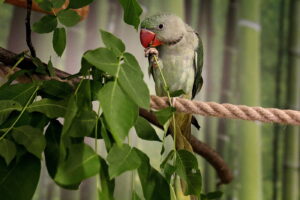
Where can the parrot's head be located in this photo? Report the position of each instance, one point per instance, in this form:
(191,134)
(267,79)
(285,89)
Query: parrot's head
(161,29)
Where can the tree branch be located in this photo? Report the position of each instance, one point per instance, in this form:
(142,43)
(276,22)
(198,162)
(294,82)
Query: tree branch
(28,29)
(8,58)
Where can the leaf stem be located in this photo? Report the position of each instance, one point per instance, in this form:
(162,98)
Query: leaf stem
(76,91)
(132,182)
(96,128)
(20,115)
(13,68)
(53,12)
(166,87)
(96,146)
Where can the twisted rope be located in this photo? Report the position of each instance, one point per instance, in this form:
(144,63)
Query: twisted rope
(231,111)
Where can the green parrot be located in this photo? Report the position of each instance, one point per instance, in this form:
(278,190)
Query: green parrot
(178,50)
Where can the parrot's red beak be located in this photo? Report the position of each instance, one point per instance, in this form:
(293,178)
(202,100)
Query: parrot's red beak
(148,39)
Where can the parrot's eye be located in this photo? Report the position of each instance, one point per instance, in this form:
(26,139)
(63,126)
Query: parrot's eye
(160,26)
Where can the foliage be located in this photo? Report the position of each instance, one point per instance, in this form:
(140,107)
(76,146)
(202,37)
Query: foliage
(31,120)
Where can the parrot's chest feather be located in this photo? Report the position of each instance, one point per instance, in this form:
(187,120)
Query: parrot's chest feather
(177,64)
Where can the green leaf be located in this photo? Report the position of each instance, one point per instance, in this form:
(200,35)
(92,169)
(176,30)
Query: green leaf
(6,107)
(121,159)
(50,68)
(25,119)
(152,181)
(169,170)
(7,150)
(119,111)
(99,129)
(70,114)
(57,3)
(84,95)
(85,67)
(68,17)
(52,136)
(19,180)
(128,75)
(51,108)
(31,138)
(45,25)
(177,93)
(95,89)
(167,158)
(52,150)
(97,74)
(203,197)
(83,124)
(133,63)
(106,135)
(56,88)
(187,169)
(44,4)
(132,12)
(135,196)
(79,3)
(144,130)
(165,114)
(36,119)
(103,59)
(41,68)
(214,195)
(72,110)
(19,92)
(1,1)
(82,162)
(107,185)
(134,86)
(59,40)
(112,42)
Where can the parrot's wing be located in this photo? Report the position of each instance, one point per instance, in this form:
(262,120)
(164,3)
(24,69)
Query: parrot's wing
(198,64)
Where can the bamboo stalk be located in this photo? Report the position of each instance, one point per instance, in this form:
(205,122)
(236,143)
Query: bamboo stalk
(291,153)
(249,92)
(277,136)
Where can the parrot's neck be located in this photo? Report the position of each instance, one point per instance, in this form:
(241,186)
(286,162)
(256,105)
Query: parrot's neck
(174,42)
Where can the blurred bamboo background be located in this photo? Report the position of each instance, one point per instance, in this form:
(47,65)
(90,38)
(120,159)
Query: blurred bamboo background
(252,57)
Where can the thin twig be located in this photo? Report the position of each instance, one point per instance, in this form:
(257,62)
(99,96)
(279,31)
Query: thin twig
(28,29)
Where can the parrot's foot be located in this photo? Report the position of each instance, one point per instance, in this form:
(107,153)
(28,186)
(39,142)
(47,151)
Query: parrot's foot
(151,51)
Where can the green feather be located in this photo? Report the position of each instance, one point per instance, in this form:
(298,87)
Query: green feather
(198,65)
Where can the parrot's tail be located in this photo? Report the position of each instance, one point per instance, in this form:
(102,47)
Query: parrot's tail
(181,130)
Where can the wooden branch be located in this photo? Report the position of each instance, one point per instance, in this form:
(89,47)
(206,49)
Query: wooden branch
(8,58)
(28,29)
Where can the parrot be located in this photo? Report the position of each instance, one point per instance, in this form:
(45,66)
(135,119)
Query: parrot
(173,46)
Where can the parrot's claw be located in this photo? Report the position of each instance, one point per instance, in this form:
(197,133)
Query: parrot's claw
(151,51)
